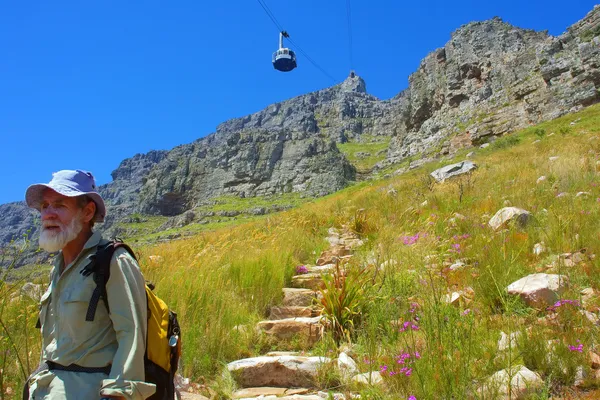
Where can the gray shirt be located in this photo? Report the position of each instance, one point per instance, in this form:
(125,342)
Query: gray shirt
(117,338)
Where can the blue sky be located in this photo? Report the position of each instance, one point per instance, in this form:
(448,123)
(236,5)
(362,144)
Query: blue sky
(87,84)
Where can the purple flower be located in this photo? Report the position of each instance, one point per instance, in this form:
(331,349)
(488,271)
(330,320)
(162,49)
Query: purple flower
(466,312)
(560,303)
(411,397)
(578,348)
(408,324)
(383,368)
(301,269)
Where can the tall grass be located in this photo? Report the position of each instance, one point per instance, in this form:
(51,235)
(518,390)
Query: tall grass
(222,282)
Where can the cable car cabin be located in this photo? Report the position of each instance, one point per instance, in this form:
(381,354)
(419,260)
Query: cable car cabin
(284,60)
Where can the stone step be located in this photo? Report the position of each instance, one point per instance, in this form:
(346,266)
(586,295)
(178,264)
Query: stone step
(299,297)
(312,281)
(308,329)
(192,396)
(282,312)
(288,397)
(327,268)
(277,371)
(254,392)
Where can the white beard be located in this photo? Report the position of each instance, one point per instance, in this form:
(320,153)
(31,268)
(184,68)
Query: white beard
(55,241)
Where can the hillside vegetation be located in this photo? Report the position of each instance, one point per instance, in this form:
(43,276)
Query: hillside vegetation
(222,282)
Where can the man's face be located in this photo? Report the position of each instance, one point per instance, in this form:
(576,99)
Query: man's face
(61,220)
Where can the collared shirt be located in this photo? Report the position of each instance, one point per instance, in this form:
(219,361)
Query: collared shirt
(117,338)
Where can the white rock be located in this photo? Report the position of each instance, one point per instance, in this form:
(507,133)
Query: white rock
(539,248)
(506,214)
(580,376)
(593,318)
(449,171)
(539,290)
(470,154)
(372,378)
(346,365)
(507,341)
(587,294)
(453,298)
(553,158)
(458,265)
(155,259)
(484,146)
(515,383)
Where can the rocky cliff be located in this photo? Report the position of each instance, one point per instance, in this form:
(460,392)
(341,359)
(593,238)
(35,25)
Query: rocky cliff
(490,79)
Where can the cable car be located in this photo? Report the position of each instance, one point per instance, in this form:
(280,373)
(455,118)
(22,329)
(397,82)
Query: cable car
(284,59)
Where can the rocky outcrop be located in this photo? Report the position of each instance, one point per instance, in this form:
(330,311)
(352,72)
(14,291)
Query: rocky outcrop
(250,162)
(492,78)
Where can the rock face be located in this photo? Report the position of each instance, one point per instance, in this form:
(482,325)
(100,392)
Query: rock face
(539,290)
(492,78)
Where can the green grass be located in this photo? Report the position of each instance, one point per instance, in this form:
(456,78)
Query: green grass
(375,146)
(229,276)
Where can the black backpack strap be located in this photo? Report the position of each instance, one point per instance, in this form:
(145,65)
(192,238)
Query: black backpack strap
(100,267)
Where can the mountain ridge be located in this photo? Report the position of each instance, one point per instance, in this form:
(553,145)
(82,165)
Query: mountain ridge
(490,79)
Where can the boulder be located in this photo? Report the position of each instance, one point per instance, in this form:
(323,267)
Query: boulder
(309,330)
(278,371)
(346,365)
(449,171)
(510,214)
(516,383)
(539,290)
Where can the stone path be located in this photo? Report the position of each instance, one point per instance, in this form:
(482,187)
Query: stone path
(286,375)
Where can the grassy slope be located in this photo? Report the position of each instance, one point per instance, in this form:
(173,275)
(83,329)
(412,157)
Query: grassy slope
(229,277)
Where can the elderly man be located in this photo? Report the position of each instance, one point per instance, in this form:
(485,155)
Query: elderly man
(103,358)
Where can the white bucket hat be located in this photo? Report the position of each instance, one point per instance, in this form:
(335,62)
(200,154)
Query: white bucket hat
(70,183)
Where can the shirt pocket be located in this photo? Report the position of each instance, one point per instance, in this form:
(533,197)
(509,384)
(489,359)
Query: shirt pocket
(75,303)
